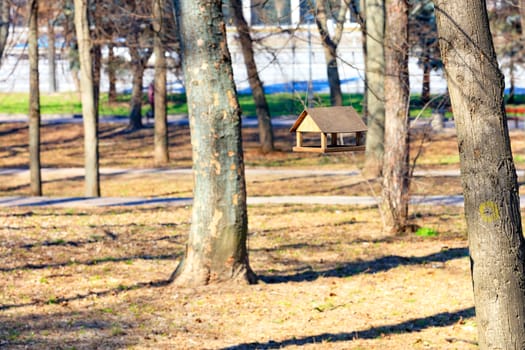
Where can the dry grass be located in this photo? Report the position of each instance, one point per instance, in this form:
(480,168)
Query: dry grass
(329,279)
(63,148)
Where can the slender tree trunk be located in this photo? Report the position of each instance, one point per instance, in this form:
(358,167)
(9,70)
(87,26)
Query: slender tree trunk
(334,82)
(112,75)
(375,72)
(138,65)
(135,115)
(216,249)
(512,80)
(34,102)
(4,25)
(161,151)
(397,94)
(97,70)
(330,47)
(261,106)
(89,104)
(490,188)
(425,88)
(51,57)
(361,15)
(521,5)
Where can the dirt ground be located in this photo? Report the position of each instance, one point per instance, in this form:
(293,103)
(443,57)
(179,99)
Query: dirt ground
(328,277)
(63,148)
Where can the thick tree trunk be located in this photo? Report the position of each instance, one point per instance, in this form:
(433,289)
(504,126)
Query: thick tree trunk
(397,94)
(375,72)
(51,57)
(34,102)
(161,151)
(4,25)
(492,205)
(89,104)
(112,75)
(216,249)
(261,105)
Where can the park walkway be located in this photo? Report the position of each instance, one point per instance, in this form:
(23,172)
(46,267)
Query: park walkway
(23,201)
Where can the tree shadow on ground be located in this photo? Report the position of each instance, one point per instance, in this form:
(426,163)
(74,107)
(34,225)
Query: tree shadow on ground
(96,261)
(65,330)
(112,291)
(378,265)
(414,325)
(13,130)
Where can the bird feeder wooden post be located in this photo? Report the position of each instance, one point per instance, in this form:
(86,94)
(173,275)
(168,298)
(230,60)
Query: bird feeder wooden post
(333,121)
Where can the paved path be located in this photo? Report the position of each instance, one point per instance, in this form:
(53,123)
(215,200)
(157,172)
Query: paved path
(18,201)
(83,202)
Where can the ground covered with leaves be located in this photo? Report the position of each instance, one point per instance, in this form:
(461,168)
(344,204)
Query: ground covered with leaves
(328,279)
(62,148)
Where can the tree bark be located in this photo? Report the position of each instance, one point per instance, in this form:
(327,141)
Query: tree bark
(425,87)
(375,72)
(490,188)
(4,26)
(112,75)
(330,44)
(161,150)
(138,63)
(34,102)
(261,105)
(397,95)
(216,249)
(361,16)
(521,5)
(51,57)
(89,104)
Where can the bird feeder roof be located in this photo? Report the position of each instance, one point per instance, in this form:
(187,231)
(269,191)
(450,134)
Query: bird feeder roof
(329,120)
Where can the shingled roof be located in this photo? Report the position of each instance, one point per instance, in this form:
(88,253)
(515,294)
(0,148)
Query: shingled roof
(333,119)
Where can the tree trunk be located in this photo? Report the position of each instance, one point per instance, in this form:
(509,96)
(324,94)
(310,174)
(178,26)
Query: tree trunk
(492,204)
(425,88)
(4,25)
(89,104)
(112,75)
(375,73)
(397,95)
(330,48)
(34,102)
(216,249)
(261,105)
(51,57)
(512,81)
(161,150)
(97,70)
(336,95)
(361,15)
(521,5)
(138,65)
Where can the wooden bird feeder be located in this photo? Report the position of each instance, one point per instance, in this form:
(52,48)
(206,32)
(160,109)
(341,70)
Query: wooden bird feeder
(333,121)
